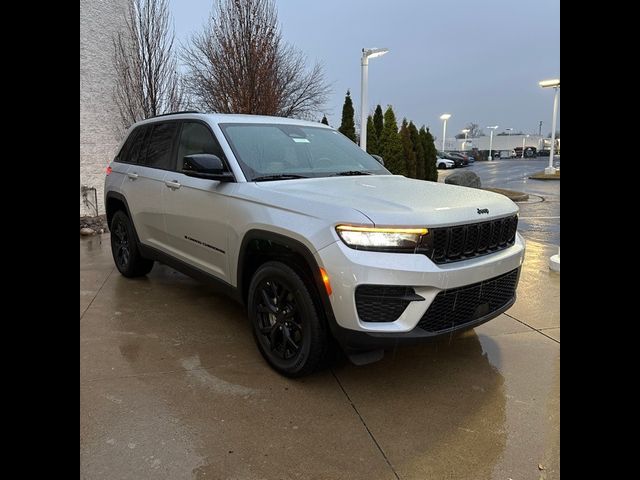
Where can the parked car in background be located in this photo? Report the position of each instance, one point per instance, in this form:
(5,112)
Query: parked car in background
(444,163)
(468,158)
(457,159)
(529,152)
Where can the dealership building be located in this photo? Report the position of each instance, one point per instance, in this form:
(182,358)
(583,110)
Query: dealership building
(99,137)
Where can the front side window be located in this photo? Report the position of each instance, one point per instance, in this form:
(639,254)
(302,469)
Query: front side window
(161,145)
(197,138)
(267,150)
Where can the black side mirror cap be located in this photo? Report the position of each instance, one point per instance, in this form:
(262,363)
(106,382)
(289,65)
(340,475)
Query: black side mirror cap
(207,166)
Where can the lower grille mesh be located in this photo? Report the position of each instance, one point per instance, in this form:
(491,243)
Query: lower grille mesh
(458,306)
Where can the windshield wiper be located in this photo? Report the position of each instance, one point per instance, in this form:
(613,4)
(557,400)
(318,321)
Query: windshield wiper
(351,172)
(282,176)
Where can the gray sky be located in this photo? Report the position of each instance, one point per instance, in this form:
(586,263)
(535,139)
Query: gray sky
(478,60)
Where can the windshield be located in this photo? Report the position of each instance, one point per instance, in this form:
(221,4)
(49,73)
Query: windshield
(280,151)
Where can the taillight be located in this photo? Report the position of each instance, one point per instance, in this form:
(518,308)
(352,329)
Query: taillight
(108,170)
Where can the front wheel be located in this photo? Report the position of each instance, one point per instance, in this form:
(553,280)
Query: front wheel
(288,329)
(442,166)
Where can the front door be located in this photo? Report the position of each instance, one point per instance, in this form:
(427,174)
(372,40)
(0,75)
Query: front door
(196,209)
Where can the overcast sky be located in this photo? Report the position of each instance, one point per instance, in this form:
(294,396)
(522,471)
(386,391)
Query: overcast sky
(478,60)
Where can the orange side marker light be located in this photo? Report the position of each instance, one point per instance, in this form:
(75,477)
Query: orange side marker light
(325,280)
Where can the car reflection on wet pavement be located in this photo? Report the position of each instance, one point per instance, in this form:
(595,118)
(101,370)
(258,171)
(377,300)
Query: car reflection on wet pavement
(172,386)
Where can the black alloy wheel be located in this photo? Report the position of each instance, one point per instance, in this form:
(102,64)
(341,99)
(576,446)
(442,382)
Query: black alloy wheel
(124,248)
(288,327)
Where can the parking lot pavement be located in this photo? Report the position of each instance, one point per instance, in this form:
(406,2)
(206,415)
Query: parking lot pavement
(172,386)
(540,216)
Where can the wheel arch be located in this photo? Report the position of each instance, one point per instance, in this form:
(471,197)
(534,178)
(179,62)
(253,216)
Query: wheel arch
(115,201)
(259,246)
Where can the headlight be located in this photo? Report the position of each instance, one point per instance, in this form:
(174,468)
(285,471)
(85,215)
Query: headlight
(381,239)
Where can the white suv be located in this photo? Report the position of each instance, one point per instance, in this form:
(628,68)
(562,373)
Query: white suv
(312,234)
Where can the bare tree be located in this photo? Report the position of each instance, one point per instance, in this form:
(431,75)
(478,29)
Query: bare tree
(147,83)
(240,64)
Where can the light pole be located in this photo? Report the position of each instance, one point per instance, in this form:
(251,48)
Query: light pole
(465,131)
(523,139)
(491,140)
(445,117)
(555,84)
(367,53)
(508,130)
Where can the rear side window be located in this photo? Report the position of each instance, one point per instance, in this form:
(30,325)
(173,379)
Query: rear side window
(197,138)
(160,146)
(138,146)
(125,151)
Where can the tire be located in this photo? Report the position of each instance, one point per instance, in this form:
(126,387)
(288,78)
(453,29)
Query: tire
(124,248)
(287,327)
(442,166)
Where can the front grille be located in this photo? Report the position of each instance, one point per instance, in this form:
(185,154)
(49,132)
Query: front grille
(461,242)
(457,306)
(383,303)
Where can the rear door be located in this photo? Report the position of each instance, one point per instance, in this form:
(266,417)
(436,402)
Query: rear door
(195,209)
(151,159)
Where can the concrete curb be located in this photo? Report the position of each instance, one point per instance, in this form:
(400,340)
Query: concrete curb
(511,194)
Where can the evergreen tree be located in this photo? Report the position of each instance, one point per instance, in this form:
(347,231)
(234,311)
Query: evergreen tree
(324,120)
(348,126)
(372,138)
(378,122)
(408,153)
(391,145)
(418,150)
(431,171)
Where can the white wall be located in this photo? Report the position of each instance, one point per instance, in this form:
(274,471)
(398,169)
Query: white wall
(99,20)
(502,142)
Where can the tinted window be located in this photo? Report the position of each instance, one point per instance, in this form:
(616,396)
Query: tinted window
(197,138)
(161,145)
(138,149)
(127,148)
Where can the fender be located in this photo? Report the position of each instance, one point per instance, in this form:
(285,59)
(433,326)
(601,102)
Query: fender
(297,247)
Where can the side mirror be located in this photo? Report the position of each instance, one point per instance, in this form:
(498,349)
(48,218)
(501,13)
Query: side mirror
(379,159)
(207,166)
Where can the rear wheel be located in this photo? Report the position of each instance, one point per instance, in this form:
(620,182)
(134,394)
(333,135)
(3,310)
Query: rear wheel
(124,248)
(288,329)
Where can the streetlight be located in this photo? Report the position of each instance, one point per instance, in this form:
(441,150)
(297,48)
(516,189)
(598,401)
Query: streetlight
(445,117)
(523,139)
(367,53)
(465,131)
(491,140)
(509,130)
(555,84)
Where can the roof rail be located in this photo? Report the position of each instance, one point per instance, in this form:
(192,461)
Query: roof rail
(174,113)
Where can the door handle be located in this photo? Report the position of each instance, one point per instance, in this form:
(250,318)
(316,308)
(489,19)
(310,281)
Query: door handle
(132,176)
(173,185)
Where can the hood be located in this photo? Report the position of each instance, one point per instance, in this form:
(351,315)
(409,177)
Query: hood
(395,200)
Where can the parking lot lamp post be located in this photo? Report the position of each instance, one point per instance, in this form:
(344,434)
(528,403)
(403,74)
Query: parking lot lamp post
(491,140)
(445,117)
(555,84)
(523,139)
(465,131)
(367,53)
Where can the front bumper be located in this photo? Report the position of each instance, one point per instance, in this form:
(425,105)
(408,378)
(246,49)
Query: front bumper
(348,268)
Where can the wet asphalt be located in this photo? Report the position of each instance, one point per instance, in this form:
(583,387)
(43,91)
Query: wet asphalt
(539,217)
(173,387)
